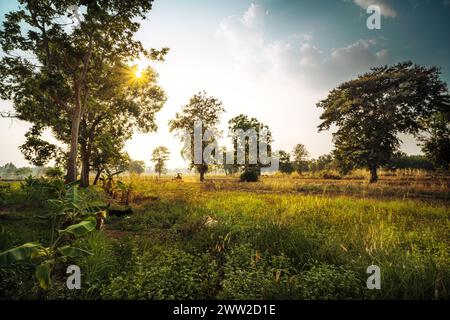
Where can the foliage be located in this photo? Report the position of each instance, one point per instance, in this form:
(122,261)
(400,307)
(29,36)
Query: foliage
(74,80)
(437,145)
(372,110)
(126,190)
(159,157)
(300,155)
(249,275)
(249,176)
(286,166)
(37,191)
(54,173)
(10,171)
(240,128)
(269,242)
(136,166)
(71,208)
(108,182)
(401,160)
(166,274)
(203,110)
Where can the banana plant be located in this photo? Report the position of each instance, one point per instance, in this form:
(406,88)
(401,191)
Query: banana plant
(48,257)
(70,216)
(108,182)
(70,208)
(126,190)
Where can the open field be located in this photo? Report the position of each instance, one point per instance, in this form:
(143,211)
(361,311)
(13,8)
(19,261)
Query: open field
(280,238)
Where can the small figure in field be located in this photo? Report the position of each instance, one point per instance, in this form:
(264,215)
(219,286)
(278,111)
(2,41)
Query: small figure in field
(178,177)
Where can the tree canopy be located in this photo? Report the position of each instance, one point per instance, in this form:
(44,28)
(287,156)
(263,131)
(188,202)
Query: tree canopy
(370,111)
(160,156)
(243,124)
(202,109)
(66,79)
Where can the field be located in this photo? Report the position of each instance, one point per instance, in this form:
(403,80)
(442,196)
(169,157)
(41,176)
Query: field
(285,237)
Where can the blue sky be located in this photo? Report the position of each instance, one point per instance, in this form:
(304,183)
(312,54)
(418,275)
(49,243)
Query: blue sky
(272,59)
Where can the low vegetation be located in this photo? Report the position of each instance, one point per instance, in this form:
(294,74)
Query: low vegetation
(284,237)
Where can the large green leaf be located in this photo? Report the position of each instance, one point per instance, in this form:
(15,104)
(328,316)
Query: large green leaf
(43,275)
(73,197)
(26,251)
(73,252)
(81,228)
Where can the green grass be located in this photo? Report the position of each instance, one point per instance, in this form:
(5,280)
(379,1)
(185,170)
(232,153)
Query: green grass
(277,245)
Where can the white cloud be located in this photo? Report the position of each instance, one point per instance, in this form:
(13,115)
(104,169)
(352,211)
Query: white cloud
(295,57)
(386,9)
(245,33)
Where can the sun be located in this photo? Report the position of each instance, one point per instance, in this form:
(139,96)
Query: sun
(138,74)
(141,65)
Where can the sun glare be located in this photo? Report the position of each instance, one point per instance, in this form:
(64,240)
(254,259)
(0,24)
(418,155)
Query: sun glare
(138,73)
(141,65)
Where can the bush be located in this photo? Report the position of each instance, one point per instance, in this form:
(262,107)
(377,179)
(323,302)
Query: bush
(327,282)
(166,274)
(36,192)
(249,176)
(54,173)
(330,176)
(249,274)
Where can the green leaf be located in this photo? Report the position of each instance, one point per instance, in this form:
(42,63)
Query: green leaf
(43,275)
(73,252)
(73,197)
(26,251)
(81,228)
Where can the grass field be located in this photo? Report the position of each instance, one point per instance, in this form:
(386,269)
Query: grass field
(281,238)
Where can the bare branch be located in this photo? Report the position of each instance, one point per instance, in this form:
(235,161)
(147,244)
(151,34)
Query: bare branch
(7,114)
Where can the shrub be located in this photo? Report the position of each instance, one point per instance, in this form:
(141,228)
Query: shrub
(330,175)
(327,282)
(167,274)
(54,173)
(249,176)
(248,274)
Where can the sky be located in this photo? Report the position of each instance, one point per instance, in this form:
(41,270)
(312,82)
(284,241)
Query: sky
(270,59)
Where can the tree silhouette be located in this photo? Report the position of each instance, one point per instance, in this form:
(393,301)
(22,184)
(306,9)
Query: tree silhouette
(370,111)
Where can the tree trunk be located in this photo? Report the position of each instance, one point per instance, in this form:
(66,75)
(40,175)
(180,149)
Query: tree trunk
(202,176)
(73,153)
(84,182)
(373,174)
(97,176)
(86,157)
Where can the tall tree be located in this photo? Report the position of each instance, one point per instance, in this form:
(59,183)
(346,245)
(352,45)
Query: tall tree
(49,70)
(263,138)
(159,157)
(285,162)
(107,154)
(370,111)
(136,166)
(202,109)
(436,145)
(300,157)
(124,103)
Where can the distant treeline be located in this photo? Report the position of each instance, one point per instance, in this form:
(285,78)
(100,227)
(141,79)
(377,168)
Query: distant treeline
(328,162)
(323,163)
